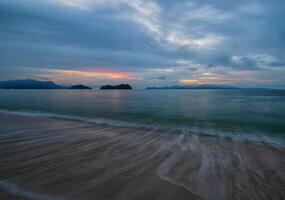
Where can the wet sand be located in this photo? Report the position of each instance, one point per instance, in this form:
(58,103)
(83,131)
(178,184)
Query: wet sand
(51,159)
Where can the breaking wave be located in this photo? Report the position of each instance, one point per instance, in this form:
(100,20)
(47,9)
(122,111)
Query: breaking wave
(235,135)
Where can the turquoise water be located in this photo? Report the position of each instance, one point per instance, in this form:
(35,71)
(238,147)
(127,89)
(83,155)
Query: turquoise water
(235,111)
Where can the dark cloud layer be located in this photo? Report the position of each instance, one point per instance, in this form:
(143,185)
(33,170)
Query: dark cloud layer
(240,41)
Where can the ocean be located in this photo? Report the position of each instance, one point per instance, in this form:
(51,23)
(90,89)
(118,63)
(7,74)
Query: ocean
(255,114)
(142,144)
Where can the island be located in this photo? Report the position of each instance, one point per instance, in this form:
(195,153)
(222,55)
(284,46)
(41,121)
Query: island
(120,87)
(29,84)
(80,87)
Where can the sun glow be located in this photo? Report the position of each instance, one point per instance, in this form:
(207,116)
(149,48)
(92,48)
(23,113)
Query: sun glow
(205,80)
(96,74)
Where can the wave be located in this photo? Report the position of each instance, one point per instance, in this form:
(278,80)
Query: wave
(235,135)
(14,189)
(102,121)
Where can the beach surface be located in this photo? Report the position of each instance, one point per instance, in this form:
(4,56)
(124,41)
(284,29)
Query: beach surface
(50,159)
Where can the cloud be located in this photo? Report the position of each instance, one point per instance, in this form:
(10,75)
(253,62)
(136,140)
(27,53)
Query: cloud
(148,14)
(180,40)
(258,61)
(160,78)
(206,13)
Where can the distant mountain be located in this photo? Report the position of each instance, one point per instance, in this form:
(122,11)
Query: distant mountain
(29,84)
(80,87)
(204,86)
(121,87)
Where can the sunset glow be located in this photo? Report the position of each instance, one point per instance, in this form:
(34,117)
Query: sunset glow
(205,80)
(96,74)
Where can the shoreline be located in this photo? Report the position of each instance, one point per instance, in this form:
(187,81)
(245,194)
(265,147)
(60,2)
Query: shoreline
(270,139)
(75,160)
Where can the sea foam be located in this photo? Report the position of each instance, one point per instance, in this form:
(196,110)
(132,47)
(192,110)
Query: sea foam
(14,189)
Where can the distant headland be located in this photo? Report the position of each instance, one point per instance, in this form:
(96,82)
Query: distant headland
(36,84)
(29,84)
(121,87)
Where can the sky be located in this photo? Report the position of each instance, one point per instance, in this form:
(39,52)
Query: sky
(144,42)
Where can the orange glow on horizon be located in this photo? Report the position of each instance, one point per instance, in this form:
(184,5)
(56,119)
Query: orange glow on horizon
(205,80)
(189,81)
(96,74)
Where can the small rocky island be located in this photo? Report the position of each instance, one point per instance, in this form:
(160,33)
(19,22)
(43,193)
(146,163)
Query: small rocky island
(80,87)
(120,87)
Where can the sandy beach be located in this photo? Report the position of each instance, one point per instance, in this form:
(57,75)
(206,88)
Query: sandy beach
(50,159)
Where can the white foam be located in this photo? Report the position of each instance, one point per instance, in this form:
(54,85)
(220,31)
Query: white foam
(17,190)
(255,137)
